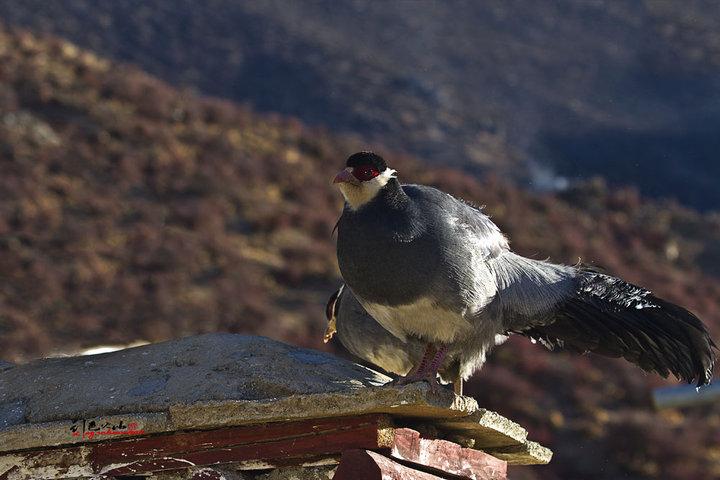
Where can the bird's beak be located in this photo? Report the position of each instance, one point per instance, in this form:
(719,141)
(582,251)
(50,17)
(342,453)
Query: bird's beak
(330,330)
(346,176)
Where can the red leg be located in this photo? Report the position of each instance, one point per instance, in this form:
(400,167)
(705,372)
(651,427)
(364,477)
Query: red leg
(427,368)
(419,371)
(437,360)
(435,364)
(426,359)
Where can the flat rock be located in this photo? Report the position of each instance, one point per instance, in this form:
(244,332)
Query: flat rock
(12,413)
(526,453)
(224,380)
(150,378)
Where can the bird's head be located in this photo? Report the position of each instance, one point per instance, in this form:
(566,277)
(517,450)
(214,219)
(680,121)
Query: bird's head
(364,175)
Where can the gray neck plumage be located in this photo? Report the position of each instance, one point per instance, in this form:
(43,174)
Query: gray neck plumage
(392,195)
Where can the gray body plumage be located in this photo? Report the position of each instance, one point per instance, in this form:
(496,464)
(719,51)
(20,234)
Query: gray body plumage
(429,267)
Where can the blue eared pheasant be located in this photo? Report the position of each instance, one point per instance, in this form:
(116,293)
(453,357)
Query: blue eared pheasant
(433,270)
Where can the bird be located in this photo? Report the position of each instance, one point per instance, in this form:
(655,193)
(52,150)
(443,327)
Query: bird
(431,268)
(366,339)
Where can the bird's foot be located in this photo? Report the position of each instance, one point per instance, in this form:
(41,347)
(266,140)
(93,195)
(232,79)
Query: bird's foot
(430,378)
(426,369)
(419,371)
(435,386)
(408,379)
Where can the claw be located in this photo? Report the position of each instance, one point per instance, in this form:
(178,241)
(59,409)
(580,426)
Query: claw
(435,386)
(426,369)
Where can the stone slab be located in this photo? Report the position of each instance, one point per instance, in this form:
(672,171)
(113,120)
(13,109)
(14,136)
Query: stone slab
(527,453)
(221,380)
(415,400)
(68,432)
(486,429)
(151,378)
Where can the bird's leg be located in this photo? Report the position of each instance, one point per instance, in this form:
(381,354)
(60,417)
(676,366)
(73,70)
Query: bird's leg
(458,385)
(418,372)
(437,360)
(427,368)
(435,364)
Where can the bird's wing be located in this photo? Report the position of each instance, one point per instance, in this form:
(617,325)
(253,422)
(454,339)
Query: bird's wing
(466,222)
(586,311)
(365,338)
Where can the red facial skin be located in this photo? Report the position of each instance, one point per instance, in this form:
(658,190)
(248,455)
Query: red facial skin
(362,173)
(365,172)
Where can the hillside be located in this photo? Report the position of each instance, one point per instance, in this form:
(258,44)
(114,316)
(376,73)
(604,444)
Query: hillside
(615,88)
(129,209)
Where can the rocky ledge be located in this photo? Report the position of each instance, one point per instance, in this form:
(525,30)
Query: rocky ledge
(209,398)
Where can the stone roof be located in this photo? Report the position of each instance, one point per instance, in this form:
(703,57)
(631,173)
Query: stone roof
(216,381)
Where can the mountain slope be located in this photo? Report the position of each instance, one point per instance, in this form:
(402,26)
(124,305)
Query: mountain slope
(616,88)
(129,209)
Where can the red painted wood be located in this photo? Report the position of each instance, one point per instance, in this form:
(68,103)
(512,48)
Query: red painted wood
(367,465)
(447,456)
(269,442)
(267,451)
(167,445)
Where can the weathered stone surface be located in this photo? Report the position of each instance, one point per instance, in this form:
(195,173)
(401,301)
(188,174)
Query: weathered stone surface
(205,473)
(486,429)
(415,400)
(12,413)
(527,453)
(5,365)
(46,465)
(298,473)
(223,380)
(31,435)
(195,369)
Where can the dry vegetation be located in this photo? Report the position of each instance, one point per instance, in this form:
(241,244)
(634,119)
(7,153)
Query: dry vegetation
(617,88)
(132,210)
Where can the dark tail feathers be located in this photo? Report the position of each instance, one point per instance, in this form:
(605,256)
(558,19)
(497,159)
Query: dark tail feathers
(614,318)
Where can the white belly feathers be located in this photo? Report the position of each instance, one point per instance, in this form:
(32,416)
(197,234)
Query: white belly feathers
(422,318)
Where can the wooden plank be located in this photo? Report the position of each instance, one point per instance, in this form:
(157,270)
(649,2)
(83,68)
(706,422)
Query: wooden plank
(367,465)
(278,444)
(290,443)
(287,451)
(446,456)
(366,427)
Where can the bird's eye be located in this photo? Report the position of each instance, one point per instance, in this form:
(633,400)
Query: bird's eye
(365,172)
